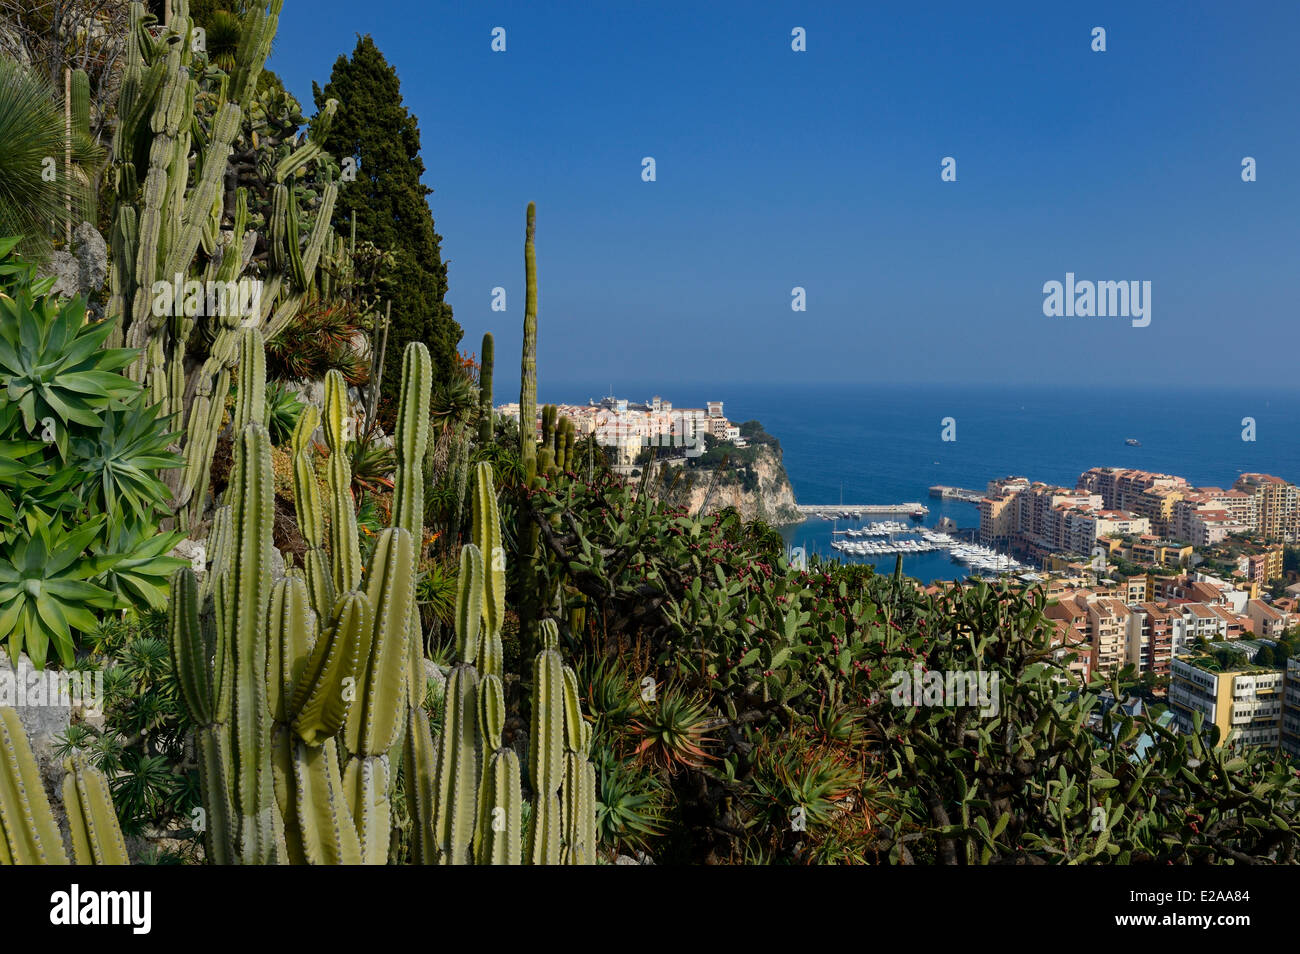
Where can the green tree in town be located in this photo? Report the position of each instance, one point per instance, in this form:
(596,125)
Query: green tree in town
(375,129)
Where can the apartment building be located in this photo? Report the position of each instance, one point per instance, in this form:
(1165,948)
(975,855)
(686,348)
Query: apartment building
(1123,489)
(1267,621)
(1157,505)
(1239,505)
(1070,640)
(1137,589)
(1261,567)
(1108,633)
(1150,638)
(1151,549)
(1241,700)
(1290,732)
(1201,521)
(1274,504)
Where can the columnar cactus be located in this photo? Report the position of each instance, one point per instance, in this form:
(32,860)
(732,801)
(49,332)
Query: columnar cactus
(28,833)
(413,428)
(530,535)
(297,687)
(477,789)
(485,389)
(161,220)
(528,364)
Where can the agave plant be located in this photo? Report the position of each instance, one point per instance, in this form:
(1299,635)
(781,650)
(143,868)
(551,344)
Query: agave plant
(631,804)
(799,784)
(282,411)
(612,696)
(672,729)
(32,490)
(47,590)
(435,592)
(372,464)
(122,461)
(137,568)
(54,368)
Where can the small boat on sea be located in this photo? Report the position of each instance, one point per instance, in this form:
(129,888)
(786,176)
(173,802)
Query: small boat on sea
(1133,442)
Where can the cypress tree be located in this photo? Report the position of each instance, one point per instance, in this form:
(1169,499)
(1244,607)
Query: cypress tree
(390,202)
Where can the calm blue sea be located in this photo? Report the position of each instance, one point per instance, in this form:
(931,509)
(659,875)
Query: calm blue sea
(883,445)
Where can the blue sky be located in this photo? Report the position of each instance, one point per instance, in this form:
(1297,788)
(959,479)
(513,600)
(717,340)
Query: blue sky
(821,169)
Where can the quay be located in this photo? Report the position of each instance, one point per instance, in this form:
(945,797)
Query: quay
(957,493)
(846,511)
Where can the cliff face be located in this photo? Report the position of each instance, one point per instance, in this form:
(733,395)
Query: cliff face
(759,490)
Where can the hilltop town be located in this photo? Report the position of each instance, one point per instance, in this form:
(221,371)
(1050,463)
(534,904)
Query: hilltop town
(626,427)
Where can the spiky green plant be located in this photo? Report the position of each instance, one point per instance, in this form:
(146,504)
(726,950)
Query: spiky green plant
(486,359)
(28,832)
(167,226)
(34,185)
(476,791)
(298,688)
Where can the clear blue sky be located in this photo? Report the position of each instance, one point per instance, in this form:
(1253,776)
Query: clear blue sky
(821,169)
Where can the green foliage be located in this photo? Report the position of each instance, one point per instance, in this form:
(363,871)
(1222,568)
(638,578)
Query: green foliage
(390,205)
(631,806)
(33,137)
(81,453)
(174,153)
(317,340)
(142,744)
(282,412)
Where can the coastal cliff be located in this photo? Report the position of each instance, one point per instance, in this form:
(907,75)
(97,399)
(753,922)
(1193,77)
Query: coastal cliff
(752,479)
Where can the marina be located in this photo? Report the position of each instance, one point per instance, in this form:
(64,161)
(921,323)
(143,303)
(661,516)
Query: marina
(882,539)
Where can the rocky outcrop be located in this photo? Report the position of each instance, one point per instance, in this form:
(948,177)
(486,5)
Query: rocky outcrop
(757,486)
(83,270)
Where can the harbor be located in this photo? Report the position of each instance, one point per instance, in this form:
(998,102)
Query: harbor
(883,539)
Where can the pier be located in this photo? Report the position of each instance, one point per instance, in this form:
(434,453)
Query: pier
(860,510)
(957,493)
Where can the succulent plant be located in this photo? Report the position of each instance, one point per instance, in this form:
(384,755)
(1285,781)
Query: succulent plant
(162,220)
(28,832)
(298,687)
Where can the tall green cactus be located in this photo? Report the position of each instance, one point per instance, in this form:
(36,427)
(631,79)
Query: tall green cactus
(477,788)
(162,219)
(298,687)
(528,364)
(485,390)
(530,605)
(28,832)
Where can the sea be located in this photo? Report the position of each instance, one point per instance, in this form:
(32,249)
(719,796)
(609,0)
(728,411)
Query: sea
(871,444)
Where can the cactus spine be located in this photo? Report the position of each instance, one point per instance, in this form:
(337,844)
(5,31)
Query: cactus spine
(485,390)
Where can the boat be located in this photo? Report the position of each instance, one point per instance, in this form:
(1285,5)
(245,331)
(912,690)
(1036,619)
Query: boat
(1133,442)
(918,515)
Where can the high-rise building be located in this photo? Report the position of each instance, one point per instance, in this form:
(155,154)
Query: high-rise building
(1275,505)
